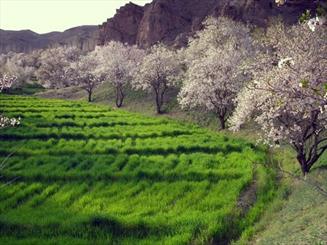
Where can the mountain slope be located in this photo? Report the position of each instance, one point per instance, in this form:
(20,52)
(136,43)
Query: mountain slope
(168,21)
(171,21)
(84,37)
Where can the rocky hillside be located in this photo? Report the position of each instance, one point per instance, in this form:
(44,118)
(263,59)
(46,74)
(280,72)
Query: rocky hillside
(171,21)
(84,37)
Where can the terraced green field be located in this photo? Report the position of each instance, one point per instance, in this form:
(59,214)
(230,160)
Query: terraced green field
(87,174)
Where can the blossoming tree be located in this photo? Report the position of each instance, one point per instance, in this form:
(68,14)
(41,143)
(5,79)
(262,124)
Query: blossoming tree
(6,81)
(54,63)
(117,64)
(159,70)
(23,65)
(82,73)
(214,61)
(288,97)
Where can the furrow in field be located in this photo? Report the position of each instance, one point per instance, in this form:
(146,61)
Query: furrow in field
(129,150)
(87,133)
(99,227)
(11,189)
(43,196)
(94,124)
(7,110)
(22,196)
(212,176)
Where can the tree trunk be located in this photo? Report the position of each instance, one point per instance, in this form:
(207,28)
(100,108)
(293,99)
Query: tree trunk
(304,165)
(119,97)
(159,100)
(158,103)
(90,96)
(160,89)
(222,122)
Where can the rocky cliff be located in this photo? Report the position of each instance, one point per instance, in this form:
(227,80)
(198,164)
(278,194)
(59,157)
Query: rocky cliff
(84,37)
(123,26)
(171,21)
(168,21)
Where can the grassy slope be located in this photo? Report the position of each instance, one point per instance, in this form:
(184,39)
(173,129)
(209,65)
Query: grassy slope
(302,218)
(28,89)
(121,177)
(297,216)
(136,101)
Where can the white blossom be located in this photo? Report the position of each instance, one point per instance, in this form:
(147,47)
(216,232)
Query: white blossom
(280,2)
(288,101)
(54,63)
(118,64)
(82,73)
(285,61)
(314,22)
(6,81)
(215,72)
(160,69)
(8,122)
(22,65)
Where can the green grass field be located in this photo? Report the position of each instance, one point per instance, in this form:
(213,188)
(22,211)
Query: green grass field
(86,174)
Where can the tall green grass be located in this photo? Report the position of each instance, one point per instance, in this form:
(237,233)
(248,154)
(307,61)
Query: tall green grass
(91,174)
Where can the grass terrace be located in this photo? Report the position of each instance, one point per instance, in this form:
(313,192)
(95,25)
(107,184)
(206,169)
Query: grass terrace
(77,173)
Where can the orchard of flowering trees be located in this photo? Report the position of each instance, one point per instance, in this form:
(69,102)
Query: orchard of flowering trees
(20,65)
(276,79)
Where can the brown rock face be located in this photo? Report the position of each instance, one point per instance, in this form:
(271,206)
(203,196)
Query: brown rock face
(123,27)
(172,21)
(168,21)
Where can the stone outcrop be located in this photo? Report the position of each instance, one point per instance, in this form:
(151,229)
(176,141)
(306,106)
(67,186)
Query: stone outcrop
(168,21)
(84,37)
(123,27)
(172,21)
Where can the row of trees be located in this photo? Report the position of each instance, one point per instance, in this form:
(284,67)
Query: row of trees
(277,78)
(121,65)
